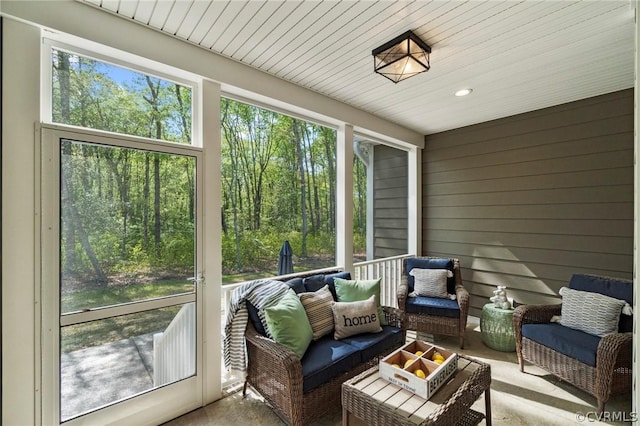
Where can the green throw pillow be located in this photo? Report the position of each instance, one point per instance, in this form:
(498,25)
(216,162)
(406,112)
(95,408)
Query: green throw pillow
(356,290)
(288,323)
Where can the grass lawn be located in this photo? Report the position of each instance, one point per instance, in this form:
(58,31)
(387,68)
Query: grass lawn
(91,296)
(97,333)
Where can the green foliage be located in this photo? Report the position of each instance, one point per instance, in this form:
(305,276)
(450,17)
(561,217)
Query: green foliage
(126,210)
(85,95)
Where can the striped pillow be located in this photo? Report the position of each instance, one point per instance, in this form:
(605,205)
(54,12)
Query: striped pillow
(317,304)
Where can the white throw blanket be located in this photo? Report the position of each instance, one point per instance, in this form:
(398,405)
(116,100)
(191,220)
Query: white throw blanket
(261,293)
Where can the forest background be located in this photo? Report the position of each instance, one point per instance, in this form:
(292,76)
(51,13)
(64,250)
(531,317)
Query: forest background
(128,215)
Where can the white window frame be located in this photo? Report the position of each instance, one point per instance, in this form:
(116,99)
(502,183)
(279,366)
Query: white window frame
(113,57)
(205,385)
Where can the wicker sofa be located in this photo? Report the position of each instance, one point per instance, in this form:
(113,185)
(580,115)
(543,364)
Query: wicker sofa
(302,390)
(599,365)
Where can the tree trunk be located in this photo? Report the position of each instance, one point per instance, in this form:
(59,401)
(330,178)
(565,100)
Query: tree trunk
(329,137)
(183,115)
(314,184)
(303,187)
(70,260)
(156,202)
(145,202)
(72,218)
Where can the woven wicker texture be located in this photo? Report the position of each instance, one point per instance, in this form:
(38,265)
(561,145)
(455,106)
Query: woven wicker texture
(454,411)
(276,373)
(432,324)
(611,375)
(496,325)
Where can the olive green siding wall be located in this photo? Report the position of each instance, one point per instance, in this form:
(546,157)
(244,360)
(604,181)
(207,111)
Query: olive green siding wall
(528,200)
(390,201)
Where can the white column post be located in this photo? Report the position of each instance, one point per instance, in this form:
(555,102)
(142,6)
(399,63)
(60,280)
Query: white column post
(371,203)
(414,201)
(344,197)
(21,360)
(212,233)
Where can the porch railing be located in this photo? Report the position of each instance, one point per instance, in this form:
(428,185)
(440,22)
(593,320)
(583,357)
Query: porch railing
(389,269)
(174,356)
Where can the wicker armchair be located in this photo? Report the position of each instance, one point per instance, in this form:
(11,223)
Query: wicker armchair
(612,371)
(428,319)
(275,372)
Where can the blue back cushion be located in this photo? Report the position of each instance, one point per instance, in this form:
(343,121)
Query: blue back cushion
(434,263)
(296,284)
(255,319)
(316,282)
(568,341)
(612,287)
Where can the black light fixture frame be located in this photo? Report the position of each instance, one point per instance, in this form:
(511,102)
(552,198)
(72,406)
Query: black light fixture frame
(405,37)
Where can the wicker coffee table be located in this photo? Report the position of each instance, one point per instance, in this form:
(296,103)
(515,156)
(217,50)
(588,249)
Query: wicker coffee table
(368,398)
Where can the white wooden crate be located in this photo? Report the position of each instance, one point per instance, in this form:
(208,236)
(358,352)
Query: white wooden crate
(407,362)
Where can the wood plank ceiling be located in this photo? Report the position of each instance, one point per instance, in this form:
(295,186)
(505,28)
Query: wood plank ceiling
(517,56)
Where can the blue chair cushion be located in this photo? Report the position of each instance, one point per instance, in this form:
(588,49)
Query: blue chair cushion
(316,282)
(432,263)
(373,344)
(616,288)
(572,343)
(432,306)
(325,359)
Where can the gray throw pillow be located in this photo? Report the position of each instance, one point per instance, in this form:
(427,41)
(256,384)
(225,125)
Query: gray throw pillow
(353,318)
(593,313)
(430,282)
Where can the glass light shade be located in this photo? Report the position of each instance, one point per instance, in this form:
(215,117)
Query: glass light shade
(402,57)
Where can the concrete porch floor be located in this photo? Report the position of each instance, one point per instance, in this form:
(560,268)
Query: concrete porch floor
(532,398)
(93,377)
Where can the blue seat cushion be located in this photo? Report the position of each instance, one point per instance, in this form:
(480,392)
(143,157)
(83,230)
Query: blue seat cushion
(616,288)
(316,282)
(431,263)
(573,343)
(372,344)
(432,306)
(325,359)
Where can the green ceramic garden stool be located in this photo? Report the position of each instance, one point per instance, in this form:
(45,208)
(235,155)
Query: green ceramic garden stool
(496,325)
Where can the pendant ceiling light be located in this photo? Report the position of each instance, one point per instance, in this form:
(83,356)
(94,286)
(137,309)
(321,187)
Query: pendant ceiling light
(402,57)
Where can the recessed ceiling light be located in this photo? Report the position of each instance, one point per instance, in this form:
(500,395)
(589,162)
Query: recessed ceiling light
(463,92)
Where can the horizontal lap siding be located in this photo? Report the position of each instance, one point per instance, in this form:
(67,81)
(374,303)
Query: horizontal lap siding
(390,222)
(528,200)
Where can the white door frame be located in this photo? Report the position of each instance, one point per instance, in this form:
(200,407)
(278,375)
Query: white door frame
(149,407)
